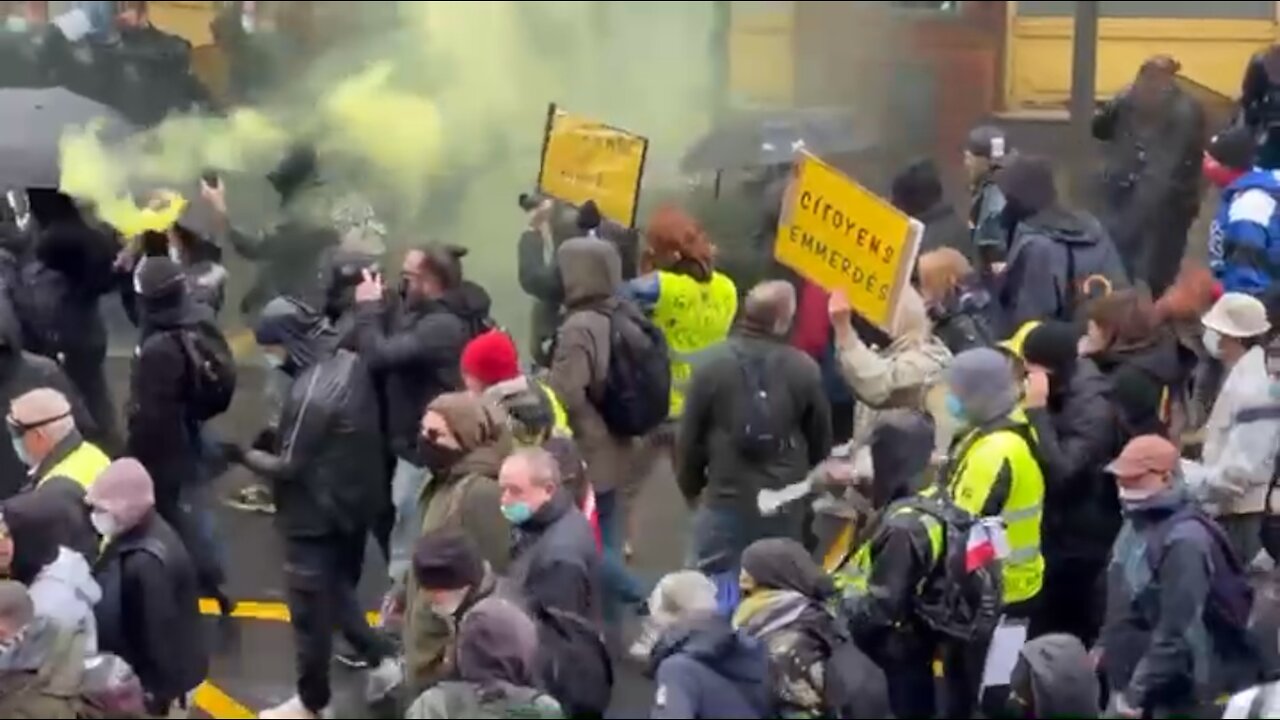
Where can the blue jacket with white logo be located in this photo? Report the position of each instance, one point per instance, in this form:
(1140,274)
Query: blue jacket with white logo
(1244,238)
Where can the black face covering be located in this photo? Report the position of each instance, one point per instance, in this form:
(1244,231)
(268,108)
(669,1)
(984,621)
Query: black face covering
(437,458)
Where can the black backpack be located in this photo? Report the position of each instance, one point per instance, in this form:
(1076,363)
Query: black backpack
(854,686)
(212,368)
(1230,599)
(761,434)
(574,664)
(637,389)
(955,600)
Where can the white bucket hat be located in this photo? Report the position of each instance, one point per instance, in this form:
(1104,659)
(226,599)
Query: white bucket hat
(1238,315)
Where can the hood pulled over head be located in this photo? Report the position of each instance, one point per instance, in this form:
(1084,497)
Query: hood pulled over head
(304,333)
(36,522)
(497,643)
(784,564)
(125,491)
(901,446)
(590,268)
(1056,672)
(982,380)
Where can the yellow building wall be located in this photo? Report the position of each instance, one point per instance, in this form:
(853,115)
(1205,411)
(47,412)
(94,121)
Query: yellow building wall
(186,19)
(1213,52)
(761,60)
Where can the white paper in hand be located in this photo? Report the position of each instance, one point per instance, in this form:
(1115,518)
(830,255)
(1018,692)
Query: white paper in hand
(1002,656)
(771,501)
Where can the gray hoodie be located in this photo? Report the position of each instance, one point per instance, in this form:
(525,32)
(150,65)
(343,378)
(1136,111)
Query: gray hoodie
(65,593)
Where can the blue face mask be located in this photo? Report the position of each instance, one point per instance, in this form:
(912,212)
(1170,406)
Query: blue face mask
(275,362)
(20,449)
(1274,390)
(955,407)
(517,513)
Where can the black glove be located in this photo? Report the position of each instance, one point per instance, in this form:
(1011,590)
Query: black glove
(266,441)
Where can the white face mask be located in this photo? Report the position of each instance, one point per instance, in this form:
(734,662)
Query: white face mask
(1212,343)
(104,523)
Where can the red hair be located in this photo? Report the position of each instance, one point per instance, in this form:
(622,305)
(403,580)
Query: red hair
(676,241)
(1191,295)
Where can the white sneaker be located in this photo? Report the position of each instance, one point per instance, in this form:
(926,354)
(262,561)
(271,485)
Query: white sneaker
(292,709)
(384,678)
(642,648)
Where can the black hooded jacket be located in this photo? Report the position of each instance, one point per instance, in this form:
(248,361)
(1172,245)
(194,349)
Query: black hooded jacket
(163,436)
(900,549)
(71,268)
(327,467)
(1144,381)
(416,348)
(20,373)
(1078,436)
(42,521)
(1052,250)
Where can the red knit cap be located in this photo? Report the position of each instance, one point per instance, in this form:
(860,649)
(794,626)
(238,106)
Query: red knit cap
(491,358)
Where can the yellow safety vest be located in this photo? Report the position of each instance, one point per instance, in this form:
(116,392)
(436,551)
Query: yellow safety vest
(853,578)
(83,465)
(971,478)
(560,424)
(693,316)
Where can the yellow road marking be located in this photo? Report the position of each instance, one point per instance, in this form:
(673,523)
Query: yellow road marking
(208,697)
(220,705)
(271,611)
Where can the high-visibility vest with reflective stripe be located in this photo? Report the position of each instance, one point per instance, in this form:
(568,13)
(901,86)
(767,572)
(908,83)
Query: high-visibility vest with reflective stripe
(693,316)
(971,480)
(560,417)
(83,465)
(853,578)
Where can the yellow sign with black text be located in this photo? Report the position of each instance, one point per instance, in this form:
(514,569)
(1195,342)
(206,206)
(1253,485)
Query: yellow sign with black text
(842,236)
(583,159)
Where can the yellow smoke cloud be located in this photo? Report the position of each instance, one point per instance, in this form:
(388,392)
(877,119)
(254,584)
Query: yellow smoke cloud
(396,132)
(438,121)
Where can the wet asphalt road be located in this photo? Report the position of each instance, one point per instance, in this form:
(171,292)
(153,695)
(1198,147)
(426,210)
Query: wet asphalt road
(252,661)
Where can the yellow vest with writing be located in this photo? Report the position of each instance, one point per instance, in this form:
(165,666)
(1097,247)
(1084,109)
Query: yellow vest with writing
(972,477)
(693,316)
(83,466)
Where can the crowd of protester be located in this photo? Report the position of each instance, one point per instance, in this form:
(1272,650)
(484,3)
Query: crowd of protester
(1043,490)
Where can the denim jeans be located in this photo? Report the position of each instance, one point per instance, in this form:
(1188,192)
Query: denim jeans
(406,487)
(717,539)
(620,586)
(197,521)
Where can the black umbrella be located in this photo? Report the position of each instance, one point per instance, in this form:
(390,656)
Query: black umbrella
(760,139)
(33,120)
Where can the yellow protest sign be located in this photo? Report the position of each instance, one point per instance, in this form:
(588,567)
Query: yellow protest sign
(583,159)
(842,236)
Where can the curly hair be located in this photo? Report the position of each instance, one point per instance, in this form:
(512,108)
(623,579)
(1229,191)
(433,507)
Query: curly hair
(674,241)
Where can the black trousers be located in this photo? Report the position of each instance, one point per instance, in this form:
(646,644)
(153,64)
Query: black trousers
(321,574)
(87,372)
(1073,600)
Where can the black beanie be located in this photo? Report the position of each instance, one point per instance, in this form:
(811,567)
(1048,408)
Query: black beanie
(447,560)
(1053,345)
(159,277)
